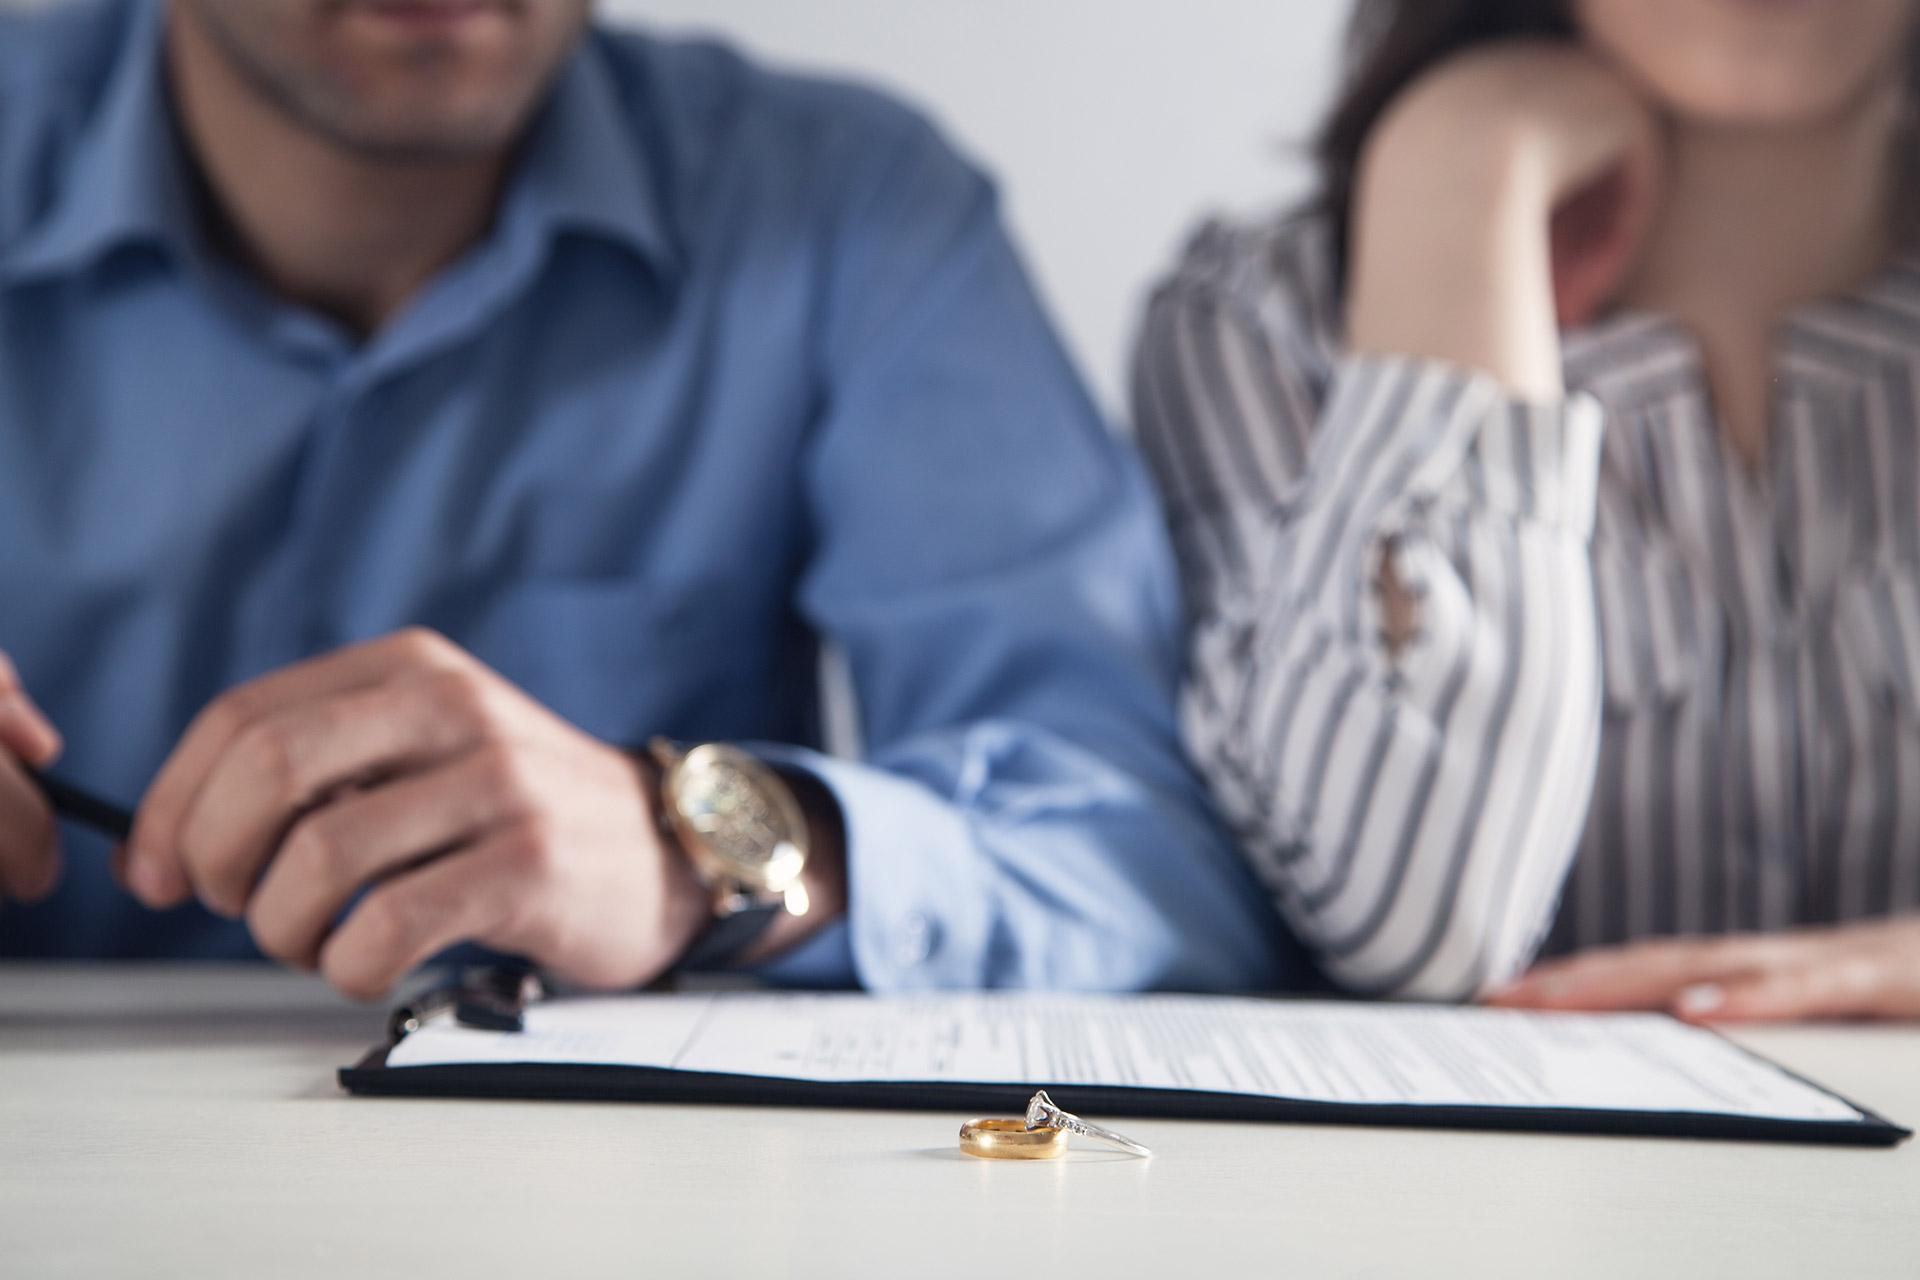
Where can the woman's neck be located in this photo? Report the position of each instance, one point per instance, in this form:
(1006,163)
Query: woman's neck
(1756,222)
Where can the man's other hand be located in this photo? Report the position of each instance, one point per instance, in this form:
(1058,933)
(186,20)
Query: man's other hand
(29,844)
(454,808)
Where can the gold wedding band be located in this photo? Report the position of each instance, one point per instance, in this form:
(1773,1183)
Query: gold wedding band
(1010,1140)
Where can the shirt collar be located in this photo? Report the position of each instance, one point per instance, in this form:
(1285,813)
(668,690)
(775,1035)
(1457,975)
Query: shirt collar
(127,181)
(581,169)
(1831,346)
(584,168)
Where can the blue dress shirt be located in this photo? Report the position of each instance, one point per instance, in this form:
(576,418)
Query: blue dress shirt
(745,365)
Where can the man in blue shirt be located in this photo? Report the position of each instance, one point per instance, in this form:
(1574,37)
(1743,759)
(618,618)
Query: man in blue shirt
(409,408)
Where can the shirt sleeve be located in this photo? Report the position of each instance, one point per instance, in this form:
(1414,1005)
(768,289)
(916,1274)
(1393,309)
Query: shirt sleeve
(988,556)
(1414,810)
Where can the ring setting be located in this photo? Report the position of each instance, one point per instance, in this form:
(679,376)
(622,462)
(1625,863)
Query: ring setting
(1043,1113)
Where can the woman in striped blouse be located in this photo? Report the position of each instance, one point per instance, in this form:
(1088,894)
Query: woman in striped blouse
(1549,500)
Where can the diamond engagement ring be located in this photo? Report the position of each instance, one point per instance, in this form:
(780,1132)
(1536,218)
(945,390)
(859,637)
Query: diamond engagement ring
(1043,1114)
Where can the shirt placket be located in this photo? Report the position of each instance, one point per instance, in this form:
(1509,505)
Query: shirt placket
(1734,519)
(1837,523)
(454,309)
(1780,601)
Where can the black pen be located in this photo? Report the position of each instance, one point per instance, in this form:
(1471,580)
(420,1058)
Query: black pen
(89,810)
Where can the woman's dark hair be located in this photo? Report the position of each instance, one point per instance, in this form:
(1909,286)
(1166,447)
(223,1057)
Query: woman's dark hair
(1389,45)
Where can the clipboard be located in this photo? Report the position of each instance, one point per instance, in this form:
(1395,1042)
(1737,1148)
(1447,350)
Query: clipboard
(493,1036)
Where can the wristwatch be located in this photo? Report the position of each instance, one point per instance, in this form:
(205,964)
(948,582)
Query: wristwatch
(744,833)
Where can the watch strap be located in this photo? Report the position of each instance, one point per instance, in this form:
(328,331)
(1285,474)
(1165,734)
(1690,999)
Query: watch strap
(730,937)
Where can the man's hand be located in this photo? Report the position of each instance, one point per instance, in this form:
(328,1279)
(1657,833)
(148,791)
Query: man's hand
(463,810)
(29,847)
(1857,971)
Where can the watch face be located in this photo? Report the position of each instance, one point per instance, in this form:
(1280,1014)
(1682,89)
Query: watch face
(739,815)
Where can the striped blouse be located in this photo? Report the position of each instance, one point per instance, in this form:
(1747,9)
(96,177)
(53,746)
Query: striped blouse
(1650,690)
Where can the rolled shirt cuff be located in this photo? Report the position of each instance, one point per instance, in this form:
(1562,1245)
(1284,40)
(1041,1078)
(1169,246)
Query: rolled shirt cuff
(917,917)
(1435,427)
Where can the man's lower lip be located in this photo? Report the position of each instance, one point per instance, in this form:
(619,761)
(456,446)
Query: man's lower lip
(430,15)
(1765,7)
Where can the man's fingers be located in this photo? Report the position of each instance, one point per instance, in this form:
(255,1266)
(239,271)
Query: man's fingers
(29,844)
(283,764)
(363,836)
(24,731)
(29,839)
(470,896)
(154,864)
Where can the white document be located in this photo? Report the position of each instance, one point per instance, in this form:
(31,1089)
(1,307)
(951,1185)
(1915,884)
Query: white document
(1312,1051)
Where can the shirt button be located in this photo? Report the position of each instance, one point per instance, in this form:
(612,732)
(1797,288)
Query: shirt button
(915,941)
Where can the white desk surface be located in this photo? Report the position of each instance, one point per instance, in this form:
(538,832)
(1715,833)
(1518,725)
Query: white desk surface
(184,1121)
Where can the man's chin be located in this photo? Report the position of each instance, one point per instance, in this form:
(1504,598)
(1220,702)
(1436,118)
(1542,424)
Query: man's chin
(415,137)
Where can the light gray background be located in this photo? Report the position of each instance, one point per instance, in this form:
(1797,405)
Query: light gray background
(1111,124)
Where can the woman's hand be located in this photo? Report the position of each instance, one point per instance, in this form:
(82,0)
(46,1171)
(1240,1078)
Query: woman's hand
(1855,971)
(1503,196)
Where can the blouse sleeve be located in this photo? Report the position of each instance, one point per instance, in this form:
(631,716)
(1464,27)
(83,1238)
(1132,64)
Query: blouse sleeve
(1414,809)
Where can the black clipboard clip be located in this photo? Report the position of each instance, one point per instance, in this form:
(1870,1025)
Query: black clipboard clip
(486,997)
